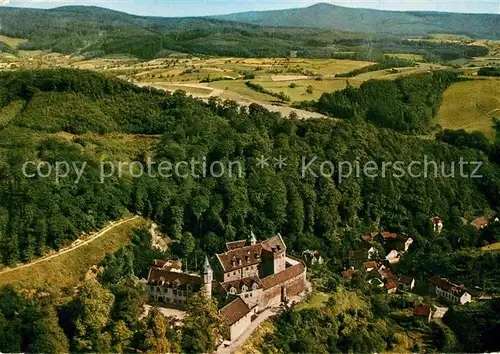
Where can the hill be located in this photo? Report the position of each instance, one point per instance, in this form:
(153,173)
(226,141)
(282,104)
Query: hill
(397,23)
(96,32)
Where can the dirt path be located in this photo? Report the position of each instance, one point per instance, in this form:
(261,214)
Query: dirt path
(77,244)
(285,111)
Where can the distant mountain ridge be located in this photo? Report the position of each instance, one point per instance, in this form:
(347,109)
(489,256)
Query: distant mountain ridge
(414,23)
(96,32)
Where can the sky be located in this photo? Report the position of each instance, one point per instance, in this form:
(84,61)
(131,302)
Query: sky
(176,8)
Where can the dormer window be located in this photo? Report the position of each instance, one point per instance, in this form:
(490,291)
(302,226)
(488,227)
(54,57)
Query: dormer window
(232,290)
(244,288)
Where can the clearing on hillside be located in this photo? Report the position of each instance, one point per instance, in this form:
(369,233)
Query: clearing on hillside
(472,106)
(12,42)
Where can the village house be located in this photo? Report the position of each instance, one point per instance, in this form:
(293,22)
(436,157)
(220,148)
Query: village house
(448,291)
(480,223)
(422,311)
(389,240)
(391,287)
(437,224)
(393,257)
(386,273)
(349,273)
(369,266)
(312,257)
(406,283)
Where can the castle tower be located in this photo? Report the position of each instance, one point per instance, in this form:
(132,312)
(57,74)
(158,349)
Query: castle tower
(253,239)
(208,276)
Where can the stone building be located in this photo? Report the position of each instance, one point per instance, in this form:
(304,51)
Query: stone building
(247,277)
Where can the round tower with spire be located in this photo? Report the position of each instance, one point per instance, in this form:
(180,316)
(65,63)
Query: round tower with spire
(208,276)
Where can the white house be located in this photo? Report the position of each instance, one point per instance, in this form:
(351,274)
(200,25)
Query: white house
(448,291)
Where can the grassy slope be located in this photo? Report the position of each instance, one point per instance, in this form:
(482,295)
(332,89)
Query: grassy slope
(471,105)
(12,42)
(492,247)
(70,268)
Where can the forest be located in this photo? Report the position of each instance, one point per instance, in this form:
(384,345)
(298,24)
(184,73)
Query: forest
(489,71)
(407,104)
(201,214)
(38,214)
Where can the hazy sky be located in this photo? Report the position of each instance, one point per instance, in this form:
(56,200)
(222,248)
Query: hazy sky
(212,7)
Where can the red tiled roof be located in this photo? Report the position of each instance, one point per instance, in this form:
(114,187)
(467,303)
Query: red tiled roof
(406,280)
(390,285)
(387,273)
(368,265)
(386,235)
(240,257)
(348,274)
(436,220)
(237,284)
(235,245)
(369,237)
(274,244)
(281,277)
(422,310)
(479,222)
(237,258)
(171,264)
(158,275)
(235,311)
(446,285)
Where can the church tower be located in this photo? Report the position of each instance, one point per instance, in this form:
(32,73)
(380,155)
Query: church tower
(208,276)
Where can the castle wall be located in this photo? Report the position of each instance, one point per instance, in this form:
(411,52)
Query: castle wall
(294,286)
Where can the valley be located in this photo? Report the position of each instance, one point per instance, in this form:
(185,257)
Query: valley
(280,257)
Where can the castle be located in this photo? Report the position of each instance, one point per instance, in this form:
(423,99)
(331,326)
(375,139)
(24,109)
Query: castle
(247,277)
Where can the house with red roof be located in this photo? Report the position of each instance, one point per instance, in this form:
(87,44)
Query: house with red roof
(448,291)
(422,311)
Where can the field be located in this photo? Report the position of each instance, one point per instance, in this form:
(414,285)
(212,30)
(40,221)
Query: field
(12,42)
(70,268)
(300,79)
(471,105)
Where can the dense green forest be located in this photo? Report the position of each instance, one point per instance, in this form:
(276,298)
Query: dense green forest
(312,211)
(407,104)
(394,23)
(327,211)
(385,63)
(489,71)
(95,32)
